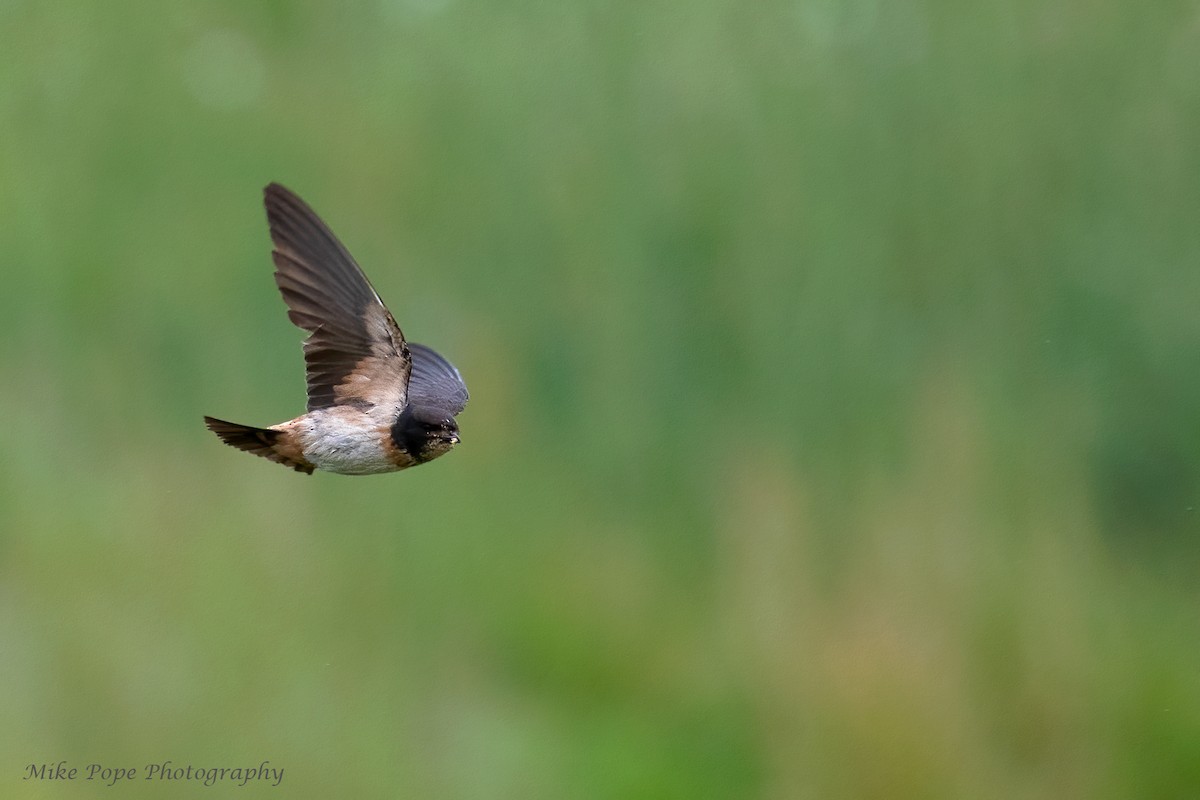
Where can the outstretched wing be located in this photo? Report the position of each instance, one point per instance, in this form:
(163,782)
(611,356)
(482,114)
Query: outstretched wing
(436,385)
(355,353)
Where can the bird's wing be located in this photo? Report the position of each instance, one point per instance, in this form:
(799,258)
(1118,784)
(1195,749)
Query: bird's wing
(355,352)
(436,384)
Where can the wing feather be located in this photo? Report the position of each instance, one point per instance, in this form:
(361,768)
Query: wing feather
(355,352)
(436,387)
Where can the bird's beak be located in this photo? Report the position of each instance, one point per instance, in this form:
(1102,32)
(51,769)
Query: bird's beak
(454,438)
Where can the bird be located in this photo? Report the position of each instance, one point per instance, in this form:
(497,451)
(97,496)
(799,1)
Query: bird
(377,403)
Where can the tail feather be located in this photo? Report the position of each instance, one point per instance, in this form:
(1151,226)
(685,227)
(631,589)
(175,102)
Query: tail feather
(259,441)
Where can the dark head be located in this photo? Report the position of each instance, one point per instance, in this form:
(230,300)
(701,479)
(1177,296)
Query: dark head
(424,434)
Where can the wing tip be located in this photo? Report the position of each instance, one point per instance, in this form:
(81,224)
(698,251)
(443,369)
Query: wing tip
(275,188)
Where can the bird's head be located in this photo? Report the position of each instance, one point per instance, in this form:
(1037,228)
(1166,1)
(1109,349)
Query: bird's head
(440,436)
(426,433)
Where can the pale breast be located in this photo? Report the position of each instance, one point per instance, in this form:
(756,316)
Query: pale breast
(348,441)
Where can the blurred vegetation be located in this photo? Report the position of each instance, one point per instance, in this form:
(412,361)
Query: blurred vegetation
(834,382)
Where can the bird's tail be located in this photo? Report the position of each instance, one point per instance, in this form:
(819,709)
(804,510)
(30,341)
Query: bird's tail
(259,441)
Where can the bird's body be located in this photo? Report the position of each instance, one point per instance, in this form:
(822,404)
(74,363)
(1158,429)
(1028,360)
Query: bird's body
(376,403)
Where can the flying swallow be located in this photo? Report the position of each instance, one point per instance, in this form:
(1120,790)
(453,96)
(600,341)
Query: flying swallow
(376,402)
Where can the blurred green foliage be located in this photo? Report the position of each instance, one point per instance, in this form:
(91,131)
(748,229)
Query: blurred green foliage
(834,384)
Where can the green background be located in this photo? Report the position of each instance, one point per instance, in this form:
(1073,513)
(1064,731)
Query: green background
(834,379)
